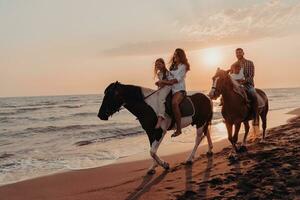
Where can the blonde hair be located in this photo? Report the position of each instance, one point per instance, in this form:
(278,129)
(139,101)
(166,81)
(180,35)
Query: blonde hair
(161,60)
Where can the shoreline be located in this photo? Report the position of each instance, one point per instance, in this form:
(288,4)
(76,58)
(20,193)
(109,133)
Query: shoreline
(122,175)
(169,146)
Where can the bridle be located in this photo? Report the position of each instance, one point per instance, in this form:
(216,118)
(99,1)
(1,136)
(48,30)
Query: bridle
(214,86)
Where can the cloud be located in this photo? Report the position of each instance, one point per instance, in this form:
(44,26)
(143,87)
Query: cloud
(273,18)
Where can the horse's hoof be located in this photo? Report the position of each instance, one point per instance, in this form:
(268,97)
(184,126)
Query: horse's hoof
(242,149)
(189,162)
(209,154)
(151,172)
(232,159)
(166,166)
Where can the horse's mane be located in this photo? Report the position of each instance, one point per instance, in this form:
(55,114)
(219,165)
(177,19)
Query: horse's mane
(233,82)
(133,92)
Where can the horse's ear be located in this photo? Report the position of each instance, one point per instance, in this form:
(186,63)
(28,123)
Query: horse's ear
(117,83)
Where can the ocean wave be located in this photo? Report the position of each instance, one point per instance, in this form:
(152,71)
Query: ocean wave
(6,155)
(7,113)
(70,106)
(117,134)
(217,121)
(85,114)
(5,119)
(36,107)
(71,100)
(8,106)
(48,129)
(44,103)
(21,110)
(217,115)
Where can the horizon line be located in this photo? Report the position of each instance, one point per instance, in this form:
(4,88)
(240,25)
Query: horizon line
(85,94)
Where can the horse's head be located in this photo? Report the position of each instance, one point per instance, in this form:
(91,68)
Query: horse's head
(112,101)
(219,80)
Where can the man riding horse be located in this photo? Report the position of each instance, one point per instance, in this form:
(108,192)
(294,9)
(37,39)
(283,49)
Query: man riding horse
(248,70)
(235,105)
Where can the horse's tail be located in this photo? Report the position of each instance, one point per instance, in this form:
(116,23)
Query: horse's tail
(209,120)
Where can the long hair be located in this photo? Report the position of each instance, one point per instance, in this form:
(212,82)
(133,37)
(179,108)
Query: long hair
(182,59)
(156,69)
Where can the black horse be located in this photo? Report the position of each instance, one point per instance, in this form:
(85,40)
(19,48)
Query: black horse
(133,98)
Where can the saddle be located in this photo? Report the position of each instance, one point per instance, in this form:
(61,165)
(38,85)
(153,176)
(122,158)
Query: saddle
(242,91)
(186,108)
(246,96)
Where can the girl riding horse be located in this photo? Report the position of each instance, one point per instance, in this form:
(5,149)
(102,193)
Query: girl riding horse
(178,69)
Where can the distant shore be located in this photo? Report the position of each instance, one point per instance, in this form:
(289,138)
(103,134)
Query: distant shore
(269,170)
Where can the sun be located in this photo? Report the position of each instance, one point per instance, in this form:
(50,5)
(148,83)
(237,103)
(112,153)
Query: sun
(212,57)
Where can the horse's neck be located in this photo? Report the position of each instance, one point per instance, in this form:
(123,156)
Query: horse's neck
(229,94)
(132,94)
(133,97)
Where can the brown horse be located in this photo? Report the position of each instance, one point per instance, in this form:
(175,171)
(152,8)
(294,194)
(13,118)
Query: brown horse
(236,108)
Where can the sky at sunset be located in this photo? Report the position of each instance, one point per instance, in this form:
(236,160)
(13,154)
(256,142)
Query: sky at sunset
(60,47)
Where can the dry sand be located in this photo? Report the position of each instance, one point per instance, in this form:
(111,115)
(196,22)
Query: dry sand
(268,170)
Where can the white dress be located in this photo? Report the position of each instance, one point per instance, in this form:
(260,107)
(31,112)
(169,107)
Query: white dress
(161,97)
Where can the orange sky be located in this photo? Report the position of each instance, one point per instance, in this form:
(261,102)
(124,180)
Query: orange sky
(79,47)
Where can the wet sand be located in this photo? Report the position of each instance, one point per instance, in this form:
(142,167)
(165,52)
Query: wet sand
(268,170)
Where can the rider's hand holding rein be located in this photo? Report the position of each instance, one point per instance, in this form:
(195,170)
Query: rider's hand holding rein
(166,82)
(159,84)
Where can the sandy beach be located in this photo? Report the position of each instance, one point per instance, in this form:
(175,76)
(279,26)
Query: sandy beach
(89,88)
(269,170)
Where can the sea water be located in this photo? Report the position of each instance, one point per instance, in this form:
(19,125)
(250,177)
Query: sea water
(49,134)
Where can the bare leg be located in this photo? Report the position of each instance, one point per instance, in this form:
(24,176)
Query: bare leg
(199,137)
(176,100)
(159,121)
(247,128)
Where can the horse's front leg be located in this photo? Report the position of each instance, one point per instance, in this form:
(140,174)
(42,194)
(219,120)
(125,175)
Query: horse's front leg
(153,152)
(237,127)
(152,168)
(199,137)
(229,132)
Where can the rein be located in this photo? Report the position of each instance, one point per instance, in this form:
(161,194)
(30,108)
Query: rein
(152,93)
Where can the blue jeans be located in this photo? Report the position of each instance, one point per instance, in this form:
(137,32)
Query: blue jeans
(254,102)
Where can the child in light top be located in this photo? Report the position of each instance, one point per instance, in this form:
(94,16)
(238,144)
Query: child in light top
(162,73)
(237,72)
